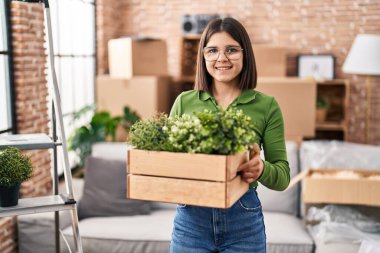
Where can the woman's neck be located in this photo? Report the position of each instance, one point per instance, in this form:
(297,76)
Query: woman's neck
(224,94)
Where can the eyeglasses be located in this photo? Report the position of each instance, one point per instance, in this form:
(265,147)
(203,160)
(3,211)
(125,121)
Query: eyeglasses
(231,52)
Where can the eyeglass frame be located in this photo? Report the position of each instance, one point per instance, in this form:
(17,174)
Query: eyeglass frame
(224,52)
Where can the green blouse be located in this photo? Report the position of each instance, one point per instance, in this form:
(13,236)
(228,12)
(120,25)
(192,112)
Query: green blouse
(268,124)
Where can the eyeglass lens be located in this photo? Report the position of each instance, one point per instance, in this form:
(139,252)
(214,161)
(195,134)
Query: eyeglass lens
(232,53)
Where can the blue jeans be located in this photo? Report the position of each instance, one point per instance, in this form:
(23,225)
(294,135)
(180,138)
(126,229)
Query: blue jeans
(238,229)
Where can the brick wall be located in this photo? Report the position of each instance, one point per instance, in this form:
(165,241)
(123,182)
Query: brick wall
(310,26)
(27,22)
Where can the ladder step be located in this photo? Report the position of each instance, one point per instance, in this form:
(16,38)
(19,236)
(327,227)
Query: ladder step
(27,141)
(39,205)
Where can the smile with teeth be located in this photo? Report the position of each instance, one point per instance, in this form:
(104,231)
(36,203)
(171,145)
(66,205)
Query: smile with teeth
(223,67)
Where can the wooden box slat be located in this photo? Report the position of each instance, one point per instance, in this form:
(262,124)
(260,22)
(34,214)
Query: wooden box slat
(184,165)
(186,191)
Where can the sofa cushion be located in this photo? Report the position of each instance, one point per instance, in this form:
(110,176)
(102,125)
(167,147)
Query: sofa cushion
(36,232)
(104,191)
(285,201)
(152,233)
(136,234)
(286,234)
(111,150)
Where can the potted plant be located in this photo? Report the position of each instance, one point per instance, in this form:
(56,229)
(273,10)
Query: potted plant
(127,120)
(102,127)
(14,169)
(322,107)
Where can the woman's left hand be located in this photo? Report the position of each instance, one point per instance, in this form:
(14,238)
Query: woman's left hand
(252,170)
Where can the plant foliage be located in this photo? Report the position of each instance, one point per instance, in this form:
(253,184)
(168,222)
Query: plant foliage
(14,167)
(322,102)
(102,127)
(223,132)
(102,124)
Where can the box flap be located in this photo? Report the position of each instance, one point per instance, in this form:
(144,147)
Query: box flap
(295,180)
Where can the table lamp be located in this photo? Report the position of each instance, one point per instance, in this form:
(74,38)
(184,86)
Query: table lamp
(364,59)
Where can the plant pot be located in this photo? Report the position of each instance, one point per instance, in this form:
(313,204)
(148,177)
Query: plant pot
(121,133)
(321,114)
(9,195)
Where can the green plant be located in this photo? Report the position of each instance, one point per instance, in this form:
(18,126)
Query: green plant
(129,118)
(82,112)
(14,167)
(322,103)
(101,126)
(149,134)
(224,132)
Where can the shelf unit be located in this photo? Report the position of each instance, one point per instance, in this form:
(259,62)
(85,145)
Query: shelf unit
(189,52)
(39,205)
(337,93)
(57,202)
(188,59)
(52,203)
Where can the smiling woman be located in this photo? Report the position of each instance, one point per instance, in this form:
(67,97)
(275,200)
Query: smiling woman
(226,79)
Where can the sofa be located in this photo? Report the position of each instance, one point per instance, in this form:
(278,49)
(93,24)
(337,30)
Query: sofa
(126,230)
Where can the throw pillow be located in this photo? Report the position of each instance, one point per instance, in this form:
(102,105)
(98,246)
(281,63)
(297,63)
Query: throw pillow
(104,192)
(283,201)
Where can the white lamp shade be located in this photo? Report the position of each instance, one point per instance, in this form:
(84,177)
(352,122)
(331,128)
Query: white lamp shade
(364,56)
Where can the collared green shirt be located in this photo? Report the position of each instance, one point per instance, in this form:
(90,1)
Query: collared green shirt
(268,125)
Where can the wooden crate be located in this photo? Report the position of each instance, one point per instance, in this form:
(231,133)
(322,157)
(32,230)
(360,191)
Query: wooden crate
(194,179)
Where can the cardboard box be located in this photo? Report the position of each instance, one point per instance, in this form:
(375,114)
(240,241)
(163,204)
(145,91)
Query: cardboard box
(324,186)
(194,179)
(128,57)
(270,61)
(146,95)
(297,100)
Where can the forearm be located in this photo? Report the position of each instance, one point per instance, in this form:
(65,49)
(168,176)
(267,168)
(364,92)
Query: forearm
(276,176)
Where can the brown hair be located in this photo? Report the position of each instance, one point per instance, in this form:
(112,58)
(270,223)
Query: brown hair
(248,75)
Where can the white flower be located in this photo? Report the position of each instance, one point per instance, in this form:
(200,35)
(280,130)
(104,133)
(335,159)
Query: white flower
(174,129)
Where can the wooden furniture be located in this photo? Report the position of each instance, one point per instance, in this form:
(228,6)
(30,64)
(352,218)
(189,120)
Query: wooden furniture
(336,92)
(189,52)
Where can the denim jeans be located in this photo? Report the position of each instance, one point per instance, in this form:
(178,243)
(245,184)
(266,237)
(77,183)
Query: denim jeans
(238,229)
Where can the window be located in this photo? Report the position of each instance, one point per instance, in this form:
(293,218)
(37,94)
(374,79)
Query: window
(6,101)
(73,29)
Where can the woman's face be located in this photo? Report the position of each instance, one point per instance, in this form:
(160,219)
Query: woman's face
(226,66)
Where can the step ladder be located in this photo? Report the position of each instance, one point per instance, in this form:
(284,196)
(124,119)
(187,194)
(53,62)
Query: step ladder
(57,202)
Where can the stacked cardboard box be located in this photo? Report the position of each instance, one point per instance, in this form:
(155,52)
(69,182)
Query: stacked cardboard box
(296,98)
(146,95)
(194,179)
(270,60)
(129,57)
(138,78)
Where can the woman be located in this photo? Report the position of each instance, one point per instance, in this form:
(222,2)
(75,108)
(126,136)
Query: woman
(226,77)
